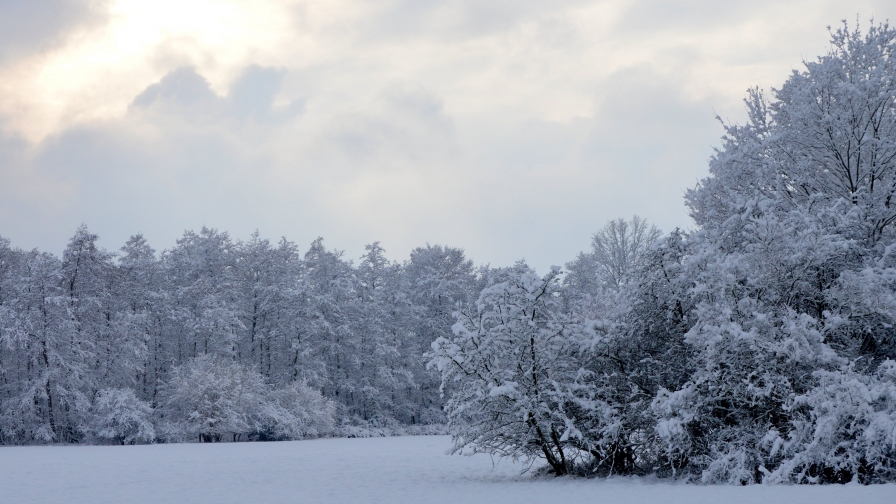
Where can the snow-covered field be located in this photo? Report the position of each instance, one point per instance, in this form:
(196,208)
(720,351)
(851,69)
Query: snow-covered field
(393,470)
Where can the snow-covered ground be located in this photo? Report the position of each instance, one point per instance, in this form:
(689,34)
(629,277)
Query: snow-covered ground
(393,470)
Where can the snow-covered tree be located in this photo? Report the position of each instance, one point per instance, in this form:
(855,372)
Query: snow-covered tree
(846,430)
(141,315)
(436,279)
(48,355)
(324,347)
(790,275)
(616,252)
(120,417)
(74,328)
(507,367)
(202,286)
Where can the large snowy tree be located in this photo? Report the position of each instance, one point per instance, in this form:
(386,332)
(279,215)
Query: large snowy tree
(792,272)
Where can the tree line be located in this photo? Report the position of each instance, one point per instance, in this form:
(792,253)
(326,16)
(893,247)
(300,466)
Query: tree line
(219,338)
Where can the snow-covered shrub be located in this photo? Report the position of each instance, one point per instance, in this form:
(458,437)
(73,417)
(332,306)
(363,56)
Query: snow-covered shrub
(846,430)
(862,320)
(209,397)
(749,359)
(120,417)
(298,411)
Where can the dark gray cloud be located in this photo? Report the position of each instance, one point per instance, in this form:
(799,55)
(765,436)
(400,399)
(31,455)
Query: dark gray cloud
(34,26)
(182,89)
(185,93)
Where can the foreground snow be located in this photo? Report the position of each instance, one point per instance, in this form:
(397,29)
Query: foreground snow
(394,470)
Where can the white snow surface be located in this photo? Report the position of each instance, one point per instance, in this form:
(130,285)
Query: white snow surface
(394,470)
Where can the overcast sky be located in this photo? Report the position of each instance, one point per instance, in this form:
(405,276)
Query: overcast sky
(513,129)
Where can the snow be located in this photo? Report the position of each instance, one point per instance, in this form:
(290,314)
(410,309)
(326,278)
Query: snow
(388,470)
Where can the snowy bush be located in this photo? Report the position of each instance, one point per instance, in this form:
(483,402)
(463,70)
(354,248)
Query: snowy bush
(119,416)
(210,397)
(298,411)
(846,430)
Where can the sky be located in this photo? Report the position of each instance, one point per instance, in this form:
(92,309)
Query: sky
(511,128)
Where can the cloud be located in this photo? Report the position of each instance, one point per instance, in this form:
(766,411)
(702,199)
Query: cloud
(453,21)
(547,185)
(35,26)
(513,129)
(404,171)
(253,93)
(182,89)
(185,93)
(184,156)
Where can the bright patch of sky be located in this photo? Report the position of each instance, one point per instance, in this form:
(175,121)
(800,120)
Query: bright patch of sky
(514,129)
